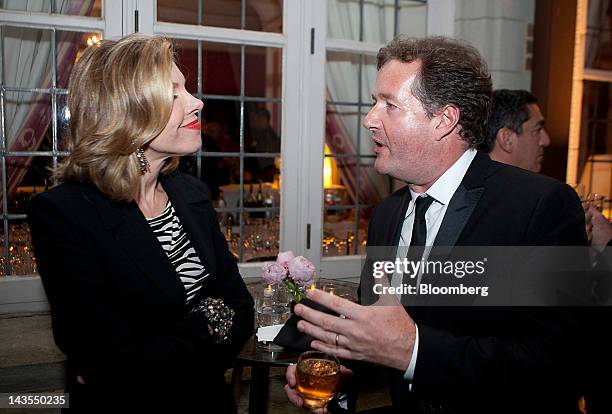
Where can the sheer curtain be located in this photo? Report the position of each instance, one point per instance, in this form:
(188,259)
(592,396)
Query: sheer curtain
(342,77)
(27,64)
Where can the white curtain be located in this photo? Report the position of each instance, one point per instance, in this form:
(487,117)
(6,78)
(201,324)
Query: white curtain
(27,63)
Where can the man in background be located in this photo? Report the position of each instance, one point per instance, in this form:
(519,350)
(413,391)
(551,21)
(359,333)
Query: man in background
(516,133)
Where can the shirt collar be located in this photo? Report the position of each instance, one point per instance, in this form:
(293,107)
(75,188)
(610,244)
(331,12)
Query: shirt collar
(444,187)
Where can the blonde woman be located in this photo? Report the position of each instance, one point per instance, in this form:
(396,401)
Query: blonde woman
(146,299)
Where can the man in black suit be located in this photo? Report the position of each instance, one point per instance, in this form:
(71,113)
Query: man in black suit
(431,102)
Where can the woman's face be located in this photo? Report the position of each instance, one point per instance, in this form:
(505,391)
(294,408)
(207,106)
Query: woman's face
(182,135)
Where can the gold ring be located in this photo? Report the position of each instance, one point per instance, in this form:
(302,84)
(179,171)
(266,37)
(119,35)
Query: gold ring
(337,337)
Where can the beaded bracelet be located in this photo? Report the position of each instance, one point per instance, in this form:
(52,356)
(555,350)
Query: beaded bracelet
(219,316)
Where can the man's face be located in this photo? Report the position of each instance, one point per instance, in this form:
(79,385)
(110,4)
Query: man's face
(530,143)
(401,130)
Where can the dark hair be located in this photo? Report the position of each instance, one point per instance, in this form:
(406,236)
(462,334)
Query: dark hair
(509,111)
(452,72)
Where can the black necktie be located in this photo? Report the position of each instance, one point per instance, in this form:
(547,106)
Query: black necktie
(419,228)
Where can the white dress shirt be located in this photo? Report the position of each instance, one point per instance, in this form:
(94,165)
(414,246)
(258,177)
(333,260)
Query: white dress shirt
(442,191)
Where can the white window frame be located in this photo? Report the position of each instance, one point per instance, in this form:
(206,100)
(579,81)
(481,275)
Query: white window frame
(26,293)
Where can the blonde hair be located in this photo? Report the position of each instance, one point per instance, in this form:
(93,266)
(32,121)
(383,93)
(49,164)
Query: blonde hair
(120,99)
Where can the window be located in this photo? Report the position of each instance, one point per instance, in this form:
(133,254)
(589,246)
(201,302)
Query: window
(356,30)
(240,82)
(590,154)
(35,65)
(284,92)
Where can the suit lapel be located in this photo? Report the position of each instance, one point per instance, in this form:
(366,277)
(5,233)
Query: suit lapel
(130,229)
(463,203)
(459,211)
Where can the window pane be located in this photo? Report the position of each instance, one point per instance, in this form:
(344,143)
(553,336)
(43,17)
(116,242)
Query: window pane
(342,74)
(27,57)
(368,78)
(375,20)
(69,48)
(412,20)
(222,131)
(264,15)
(262,129)
(338,231)
(378,20)
(28,116)
(26,176)
(352,189)
(262,72)
(598,52)
(366,145)
(221,69)
(259,15)
(187,61)
(596,138)
(92,8)
(343,133)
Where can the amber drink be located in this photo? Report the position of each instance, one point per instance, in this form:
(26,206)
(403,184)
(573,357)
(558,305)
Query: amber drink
(318,375)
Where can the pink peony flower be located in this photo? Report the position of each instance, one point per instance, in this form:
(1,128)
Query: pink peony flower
(284,258)
(301,270)
(273,272)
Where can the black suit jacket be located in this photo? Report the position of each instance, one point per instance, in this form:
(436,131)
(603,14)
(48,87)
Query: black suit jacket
(492,359)
(118,306)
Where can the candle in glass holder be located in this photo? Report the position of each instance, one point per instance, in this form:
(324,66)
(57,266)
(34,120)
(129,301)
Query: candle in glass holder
(330,288)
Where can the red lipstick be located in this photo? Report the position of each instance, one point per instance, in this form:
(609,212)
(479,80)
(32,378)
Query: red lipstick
(193,125)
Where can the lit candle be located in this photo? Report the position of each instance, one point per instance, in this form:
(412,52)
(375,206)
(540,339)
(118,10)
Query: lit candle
(313,286)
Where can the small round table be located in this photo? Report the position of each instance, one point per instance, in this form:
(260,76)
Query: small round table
(260,361)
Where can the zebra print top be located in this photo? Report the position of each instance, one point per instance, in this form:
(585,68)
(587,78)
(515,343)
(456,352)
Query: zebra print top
(170,233)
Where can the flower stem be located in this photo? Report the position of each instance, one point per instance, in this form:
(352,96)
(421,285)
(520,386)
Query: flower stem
(293,289)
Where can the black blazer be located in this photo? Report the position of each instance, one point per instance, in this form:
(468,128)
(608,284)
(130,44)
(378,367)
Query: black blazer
(118,306)
(492,359)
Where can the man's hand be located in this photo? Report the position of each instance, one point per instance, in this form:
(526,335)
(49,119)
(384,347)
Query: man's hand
(292,394)
(601,229)
(381,334)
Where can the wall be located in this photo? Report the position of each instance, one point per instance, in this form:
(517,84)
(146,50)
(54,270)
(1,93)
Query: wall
(499,30)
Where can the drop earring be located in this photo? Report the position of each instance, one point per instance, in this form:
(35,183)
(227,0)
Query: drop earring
(143,163)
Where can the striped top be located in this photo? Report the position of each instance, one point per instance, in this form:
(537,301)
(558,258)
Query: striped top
(170,233)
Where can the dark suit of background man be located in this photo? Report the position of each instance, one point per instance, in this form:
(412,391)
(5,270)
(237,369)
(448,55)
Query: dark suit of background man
(431,103)
(516,136)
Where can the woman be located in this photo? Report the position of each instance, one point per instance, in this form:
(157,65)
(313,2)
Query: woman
(146,299)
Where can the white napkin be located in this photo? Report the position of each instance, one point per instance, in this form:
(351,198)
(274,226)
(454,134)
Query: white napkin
(268,333)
